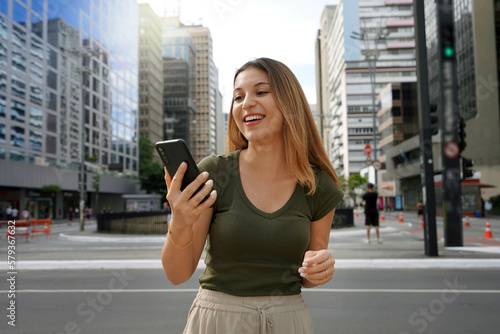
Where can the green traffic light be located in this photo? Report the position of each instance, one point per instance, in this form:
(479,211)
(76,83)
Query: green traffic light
(449,52)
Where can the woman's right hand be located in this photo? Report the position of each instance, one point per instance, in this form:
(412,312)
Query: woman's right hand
(186,210)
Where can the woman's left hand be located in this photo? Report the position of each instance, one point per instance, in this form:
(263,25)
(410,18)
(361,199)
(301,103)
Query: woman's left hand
(317,267)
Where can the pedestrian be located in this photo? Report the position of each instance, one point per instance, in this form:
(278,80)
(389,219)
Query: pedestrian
(268,217)
(8,211)
(70,216)
(15,213)
(370,198)
(25,214)
(420,212)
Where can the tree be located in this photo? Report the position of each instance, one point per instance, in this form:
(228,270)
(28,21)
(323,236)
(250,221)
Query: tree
(355,186)
(151,174)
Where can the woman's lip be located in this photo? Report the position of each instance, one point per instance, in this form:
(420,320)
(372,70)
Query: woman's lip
(252,123)
(250,115)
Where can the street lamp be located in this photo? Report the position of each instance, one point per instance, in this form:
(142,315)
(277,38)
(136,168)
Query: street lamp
(371,38)
(83,53)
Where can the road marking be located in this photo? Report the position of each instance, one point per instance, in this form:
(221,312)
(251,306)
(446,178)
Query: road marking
(131,239)
(41,291)
(479,249)
(340,264)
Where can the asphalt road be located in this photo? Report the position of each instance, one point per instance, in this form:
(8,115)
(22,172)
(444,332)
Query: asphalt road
(356,301)
(136,301)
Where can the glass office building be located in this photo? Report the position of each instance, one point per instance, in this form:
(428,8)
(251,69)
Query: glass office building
(68,68)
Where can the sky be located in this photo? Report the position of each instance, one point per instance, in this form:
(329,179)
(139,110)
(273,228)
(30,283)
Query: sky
(245,29)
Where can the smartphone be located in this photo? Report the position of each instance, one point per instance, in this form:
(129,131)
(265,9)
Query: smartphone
(173,153)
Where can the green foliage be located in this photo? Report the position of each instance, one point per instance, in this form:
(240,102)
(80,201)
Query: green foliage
(151,174)
(495,202)
(51,188)
(355,186)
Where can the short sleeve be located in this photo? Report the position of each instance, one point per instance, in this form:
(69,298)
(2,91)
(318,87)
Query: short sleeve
(209,164)
(326,197)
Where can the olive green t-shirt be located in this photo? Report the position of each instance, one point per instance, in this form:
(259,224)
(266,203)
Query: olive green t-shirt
(253,253)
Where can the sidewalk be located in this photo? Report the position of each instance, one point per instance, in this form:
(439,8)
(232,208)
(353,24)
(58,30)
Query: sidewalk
(402,247)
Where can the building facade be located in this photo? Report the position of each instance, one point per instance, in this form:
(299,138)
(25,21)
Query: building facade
(351,33)
(179,60)
(204,125)
(150,76)
(68,91)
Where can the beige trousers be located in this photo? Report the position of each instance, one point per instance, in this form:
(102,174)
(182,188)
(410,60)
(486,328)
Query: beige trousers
(216,312)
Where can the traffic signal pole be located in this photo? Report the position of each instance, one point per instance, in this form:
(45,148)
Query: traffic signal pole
(424,118)
(452,203)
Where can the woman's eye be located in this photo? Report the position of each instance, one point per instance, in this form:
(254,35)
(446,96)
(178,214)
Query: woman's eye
(237,98)
(262,92)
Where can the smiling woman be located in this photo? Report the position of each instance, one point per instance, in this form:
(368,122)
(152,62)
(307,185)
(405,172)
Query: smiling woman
(267,223)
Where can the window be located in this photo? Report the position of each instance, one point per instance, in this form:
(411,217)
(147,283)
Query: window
(51,123)
(3,106)
(17,112)
(36,117)
(17,136)
(35,141)
(18,87)
(50,142)
(2,133)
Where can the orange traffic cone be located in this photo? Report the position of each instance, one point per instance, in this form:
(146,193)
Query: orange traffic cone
(401,220)
(487,232)
(467,224)
(382,217)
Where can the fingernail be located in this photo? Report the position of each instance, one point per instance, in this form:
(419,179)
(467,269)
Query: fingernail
(183,164)
(302,275)
(204,175)
(210,183)
(301,270)
(213,193)
(305,264)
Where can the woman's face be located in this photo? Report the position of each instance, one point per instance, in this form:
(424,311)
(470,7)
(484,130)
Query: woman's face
(254,109)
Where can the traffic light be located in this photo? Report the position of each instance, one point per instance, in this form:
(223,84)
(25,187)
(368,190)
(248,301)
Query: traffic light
(447,36)
(466,165)
(461,135)
(434,119)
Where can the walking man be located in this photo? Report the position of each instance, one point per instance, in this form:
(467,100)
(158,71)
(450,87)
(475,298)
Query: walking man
(370,199)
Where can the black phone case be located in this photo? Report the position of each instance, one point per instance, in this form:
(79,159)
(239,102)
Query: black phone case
(173,153)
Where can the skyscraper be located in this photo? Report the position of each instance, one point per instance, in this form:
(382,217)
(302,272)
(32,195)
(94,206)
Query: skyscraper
(351,32)
(204,125)
(68,71)
(150,75)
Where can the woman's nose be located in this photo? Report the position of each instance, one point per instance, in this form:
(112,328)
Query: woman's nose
(249,102)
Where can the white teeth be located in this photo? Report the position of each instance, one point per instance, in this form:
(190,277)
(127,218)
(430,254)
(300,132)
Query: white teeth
(253,118)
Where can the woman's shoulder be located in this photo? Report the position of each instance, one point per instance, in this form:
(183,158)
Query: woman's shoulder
(214,162)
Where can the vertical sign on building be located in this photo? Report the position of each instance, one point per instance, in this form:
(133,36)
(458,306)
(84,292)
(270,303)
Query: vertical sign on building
(452,206)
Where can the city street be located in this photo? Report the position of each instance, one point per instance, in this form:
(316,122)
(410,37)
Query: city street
(84,282)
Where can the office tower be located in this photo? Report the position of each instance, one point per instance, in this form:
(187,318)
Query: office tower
(150,75)
(68,71)
(178,80)
(351,33)
(204,125)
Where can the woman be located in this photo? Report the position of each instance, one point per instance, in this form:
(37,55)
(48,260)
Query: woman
(267,220)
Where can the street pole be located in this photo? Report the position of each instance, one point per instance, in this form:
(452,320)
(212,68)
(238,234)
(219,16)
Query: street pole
(372,63)
(81,53)
(452,202)
(426,158)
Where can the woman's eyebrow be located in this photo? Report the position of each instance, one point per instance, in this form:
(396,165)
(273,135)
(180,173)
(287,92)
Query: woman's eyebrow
(257,84)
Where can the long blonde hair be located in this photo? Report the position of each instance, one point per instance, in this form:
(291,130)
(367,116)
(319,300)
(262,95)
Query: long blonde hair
(303,147)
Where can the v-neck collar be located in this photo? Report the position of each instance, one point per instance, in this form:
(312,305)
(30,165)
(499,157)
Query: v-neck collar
(251,206)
